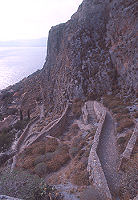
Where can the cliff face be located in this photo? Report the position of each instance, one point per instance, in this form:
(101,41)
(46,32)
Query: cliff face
(93,53)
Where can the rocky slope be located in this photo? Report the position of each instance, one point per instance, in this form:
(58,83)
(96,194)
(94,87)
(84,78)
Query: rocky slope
(93,53)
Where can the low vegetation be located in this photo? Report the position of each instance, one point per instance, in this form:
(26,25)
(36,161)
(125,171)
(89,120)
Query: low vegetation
(42,158)
(76,107)
(130,177)
(23,185)
(6,138)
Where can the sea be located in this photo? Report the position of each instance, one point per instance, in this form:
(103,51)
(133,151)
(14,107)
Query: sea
(17,63)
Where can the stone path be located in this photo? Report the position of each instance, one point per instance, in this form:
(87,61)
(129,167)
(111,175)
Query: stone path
(107,153)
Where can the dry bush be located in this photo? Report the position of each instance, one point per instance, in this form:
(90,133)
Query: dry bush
(58,161)
(79,174)
(39,159)
(60,157)
(76,107)
(135,114)
(43,158)
(74,129)
(119,109)
(111,101)
(80,178)
(130,178)
(125,123)
(51,145)
(26,163)
(120,116)
(38,148)
(41,169)
(76,141)
(74,151)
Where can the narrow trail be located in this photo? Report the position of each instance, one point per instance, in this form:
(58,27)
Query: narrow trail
(108,155)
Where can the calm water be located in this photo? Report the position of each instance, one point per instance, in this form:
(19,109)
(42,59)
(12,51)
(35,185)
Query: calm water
(19,62)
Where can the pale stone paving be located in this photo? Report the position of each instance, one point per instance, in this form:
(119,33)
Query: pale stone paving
(107,153)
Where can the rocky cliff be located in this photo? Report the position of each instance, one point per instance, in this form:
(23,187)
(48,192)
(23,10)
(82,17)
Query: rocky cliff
(93,53)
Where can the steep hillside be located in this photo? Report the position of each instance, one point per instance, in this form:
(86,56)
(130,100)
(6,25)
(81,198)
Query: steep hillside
(93,53)
(50,124)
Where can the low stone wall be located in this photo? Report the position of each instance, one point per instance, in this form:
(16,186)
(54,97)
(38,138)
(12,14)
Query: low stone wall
(129,148)
(56,129)
(24,134)
(94,166)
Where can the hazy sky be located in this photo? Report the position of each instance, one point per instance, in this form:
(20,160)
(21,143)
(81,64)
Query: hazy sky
(27,19)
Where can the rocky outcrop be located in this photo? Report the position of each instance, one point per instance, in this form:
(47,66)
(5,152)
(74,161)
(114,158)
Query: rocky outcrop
(93,53)
(121,38)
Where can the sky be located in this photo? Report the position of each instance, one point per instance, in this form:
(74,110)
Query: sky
(30,19)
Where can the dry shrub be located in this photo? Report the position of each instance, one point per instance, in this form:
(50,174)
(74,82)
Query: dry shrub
(60,157)
(80,178)
(76,107)
(135,114)
(38,148)
(57,162)
(41,169)
(76,141)
(115,104)
(74,151)
(111,101)
(120,116)
(125,123)
(43,158)
(79,175)
(51,145)
(74,129)
(26,163)
(39,159)
(130,178)
(119,109)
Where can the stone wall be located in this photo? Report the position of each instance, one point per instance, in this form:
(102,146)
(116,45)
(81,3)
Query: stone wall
(24,134)
(94,166)
(129,148)
(56,129)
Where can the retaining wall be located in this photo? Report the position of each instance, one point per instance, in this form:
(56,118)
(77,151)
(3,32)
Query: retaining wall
(129,148)
(56,129)
(24,134)
(94,166)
